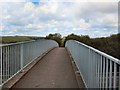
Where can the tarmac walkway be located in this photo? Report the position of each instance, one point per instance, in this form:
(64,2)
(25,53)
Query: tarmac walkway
(52,71)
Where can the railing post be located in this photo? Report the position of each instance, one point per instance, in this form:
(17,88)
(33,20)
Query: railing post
(21,56)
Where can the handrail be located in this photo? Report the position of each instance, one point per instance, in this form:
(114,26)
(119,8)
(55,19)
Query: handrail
(14,57)
(16,43)
(21,42)
(102,53)
(98,70)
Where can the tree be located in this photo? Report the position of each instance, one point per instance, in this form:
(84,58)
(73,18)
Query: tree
(57,37)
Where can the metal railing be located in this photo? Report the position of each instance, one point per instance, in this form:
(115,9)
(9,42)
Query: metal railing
(97,69)
(15,57)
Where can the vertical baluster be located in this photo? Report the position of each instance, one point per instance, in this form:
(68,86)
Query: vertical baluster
(101,67)
(5,69)
(110,75)
(15,59)
(94,70)
(106,83)
(91,77)
(7,62)
(103,76)
(115,71)
(3,64)
(89,68)
(98,70)
(21,54)
(12,60)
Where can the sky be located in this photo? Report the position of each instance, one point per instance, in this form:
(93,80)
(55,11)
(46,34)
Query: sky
(42,17)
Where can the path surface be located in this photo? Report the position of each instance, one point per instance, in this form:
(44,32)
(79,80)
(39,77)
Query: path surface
(53,71)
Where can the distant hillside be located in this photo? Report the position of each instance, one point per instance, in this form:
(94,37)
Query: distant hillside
(14,39)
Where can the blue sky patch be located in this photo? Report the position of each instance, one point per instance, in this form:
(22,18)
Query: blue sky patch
(34,1)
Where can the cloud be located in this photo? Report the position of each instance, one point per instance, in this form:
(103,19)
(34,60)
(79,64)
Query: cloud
(12,1)
(50,16)
(84,24)
(80,1)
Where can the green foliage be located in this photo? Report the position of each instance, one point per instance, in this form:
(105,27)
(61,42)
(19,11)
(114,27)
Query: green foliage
(56,37)
(83,39)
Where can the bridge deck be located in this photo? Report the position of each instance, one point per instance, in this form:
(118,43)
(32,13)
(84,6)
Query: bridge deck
(52,71)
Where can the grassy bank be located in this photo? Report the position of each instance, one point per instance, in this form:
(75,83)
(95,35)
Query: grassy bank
(15,39)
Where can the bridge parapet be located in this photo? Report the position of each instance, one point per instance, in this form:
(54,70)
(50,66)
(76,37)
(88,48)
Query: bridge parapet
(98,69)
(15,57)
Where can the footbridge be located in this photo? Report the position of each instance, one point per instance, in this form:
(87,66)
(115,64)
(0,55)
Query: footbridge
(43,64)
